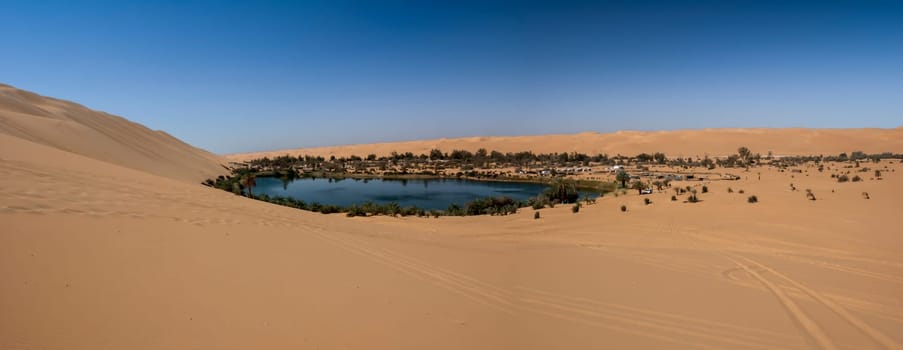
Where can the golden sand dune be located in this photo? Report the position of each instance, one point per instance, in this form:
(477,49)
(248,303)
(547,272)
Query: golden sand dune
(71,127)
(679,143)
(107,255)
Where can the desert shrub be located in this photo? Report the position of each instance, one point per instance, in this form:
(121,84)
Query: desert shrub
(411,211)
(865,195)
(730,190)
(673,198)
(330,209)
(705,189)
(843,178)
(692,198)
(491,206)
(435,213)
(538,202)
(741,191)
(753,199)
(647,201)
(392,209)
(576,208)
(877,173)
(623,208)
(355,210)
(535,215)
(856,178)
(810,195)
(454,210)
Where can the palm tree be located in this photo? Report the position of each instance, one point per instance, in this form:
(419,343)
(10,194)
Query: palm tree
(249,182)
(638,186)
(562,190)
(623,177)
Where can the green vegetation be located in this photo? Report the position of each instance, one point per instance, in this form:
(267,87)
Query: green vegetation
(623,177)
(550,168)
(692,198)
(562,191)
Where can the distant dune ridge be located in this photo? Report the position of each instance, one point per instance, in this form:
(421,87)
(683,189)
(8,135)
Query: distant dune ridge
(74,128)
(678,143)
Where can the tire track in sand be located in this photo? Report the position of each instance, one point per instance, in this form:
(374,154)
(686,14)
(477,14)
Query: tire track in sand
(808,325)
(876,335)
(659,325)
(478,291)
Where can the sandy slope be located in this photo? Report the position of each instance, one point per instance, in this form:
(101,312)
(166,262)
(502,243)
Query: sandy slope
(95,255)
(74,128)
(681,143)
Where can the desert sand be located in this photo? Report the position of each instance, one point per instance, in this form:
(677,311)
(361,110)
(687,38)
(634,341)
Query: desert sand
(107,241)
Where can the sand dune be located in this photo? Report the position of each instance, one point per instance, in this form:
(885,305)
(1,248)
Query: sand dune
(102,253)
(680,143)
(71,127)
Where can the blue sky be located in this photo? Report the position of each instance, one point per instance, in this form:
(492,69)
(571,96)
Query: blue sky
(243,76)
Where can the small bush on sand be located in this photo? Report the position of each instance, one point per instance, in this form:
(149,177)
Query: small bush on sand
(647,201)
(843,178)
(810,195)
(673,198)
(705,189)
(576,208)
(623,208)
(856,178)
(741,191)
(536,215)
(753,199)
(692,198)
(730,190)
(865,195)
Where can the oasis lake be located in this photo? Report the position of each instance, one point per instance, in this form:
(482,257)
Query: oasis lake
(427,194)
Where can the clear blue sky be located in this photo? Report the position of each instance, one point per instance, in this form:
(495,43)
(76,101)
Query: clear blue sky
(241,76)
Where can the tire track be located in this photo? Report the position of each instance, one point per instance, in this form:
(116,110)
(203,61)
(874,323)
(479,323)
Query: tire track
(659,323)
(468,287)
(809,327)
(876,335)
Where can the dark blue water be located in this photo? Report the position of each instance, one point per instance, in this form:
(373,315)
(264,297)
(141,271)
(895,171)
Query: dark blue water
(423,193)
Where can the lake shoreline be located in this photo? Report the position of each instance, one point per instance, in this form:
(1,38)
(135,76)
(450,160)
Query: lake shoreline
(600,187)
